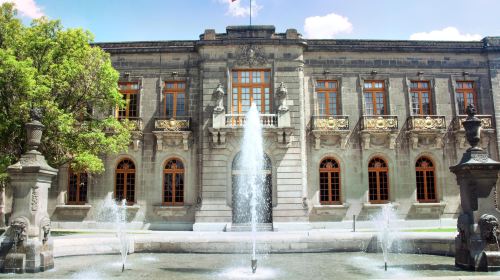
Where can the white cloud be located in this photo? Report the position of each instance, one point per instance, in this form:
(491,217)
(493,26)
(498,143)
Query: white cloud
(240,8)
(26,8)
(326,27)
(445,34)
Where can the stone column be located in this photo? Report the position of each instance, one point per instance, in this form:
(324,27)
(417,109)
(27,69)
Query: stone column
(28,246)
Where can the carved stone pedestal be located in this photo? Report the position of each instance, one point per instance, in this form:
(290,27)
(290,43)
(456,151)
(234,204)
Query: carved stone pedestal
(27,246)
(477,174)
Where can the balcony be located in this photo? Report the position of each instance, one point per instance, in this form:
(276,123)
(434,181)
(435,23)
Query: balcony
(232,124)
(330,130)
(379,131)
(172,132)
(487,130)
(426,131)
(238,120)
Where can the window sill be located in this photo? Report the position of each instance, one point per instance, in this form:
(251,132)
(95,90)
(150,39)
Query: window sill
(426,208)
(331,209)
(171,211)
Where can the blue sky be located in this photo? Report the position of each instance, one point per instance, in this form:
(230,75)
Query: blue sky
(125,20)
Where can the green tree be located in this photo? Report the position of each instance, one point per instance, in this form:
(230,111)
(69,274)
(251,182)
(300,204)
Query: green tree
(58,70)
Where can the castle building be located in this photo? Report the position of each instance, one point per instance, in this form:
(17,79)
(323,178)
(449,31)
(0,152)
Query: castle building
(349,126)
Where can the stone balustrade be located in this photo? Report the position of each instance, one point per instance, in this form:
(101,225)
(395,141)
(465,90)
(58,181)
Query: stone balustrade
(238,120)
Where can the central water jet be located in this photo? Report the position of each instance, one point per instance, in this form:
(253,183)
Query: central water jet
(252,180)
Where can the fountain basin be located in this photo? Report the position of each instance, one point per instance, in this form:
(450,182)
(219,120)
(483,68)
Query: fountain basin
(274,266)
(241,242)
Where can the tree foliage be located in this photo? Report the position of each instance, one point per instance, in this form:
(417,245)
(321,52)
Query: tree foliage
(58,70)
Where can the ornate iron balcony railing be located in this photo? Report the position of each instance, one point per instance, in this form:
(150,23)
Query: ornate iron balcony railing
(379,123)
(173,124)
(330,123)
(426,122)
(486,122)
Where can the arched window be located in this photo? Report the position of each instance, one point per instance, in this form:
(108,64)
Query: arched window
(173,182)
(426,181)
(125,181)
(77,187)
(329,181)
(378,181)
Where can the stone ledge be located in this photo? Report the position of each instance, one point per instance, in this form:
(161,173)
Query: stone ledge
(171,211)
(429,207)
(73,207)
(331,209)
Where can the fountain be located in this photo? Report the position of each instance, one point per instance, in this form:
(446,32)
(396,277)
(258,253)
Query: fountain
(385,231)
(477,174)
(116,213)
(252,178)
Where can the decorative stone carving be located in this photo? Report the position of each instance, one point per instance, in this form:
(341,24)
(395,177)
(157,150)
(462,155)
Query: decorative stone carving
(426,131)
(172,125)
(380,123)
(379,131)
(45,224)
(332,129)
(282,94)
(332,123)
(428,123)
(218,97)
(19,227)
(250,55)
(34,199)
(488,227)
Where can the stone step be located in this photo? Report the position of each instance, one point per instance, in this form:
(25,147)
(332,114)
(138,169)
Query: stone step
(248,227)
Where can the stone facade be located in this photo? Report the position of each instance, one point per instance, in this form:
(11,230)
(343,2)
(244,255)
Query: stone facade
(294,141)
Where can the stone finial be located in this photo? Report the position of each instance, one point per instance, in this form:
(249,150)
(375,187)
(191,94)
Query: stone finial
(472,127)
(219,96)
(36,114)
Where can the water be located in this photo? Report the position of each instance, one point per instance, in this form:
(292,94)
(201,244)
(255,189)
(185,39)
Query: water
(386,231)
(252,161)
(113,212)
(346,266)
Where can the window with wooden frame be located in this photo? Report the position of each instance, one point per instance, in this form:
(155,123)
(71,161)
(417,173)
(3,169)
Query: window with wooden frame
(421,98)
(125,181)
(251,86)
(375,98)
(173,182)
(175,104)
(378,181)
(329,182)
(328,98)
(465,93)
(426,180)
(130,94)
(77,187)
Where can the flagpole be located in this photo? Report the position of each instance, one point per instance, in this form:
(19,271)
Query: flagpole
(250,12)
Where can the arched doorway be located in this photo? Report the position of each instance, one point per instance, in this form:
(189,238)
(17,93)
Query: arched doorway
(241,193)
